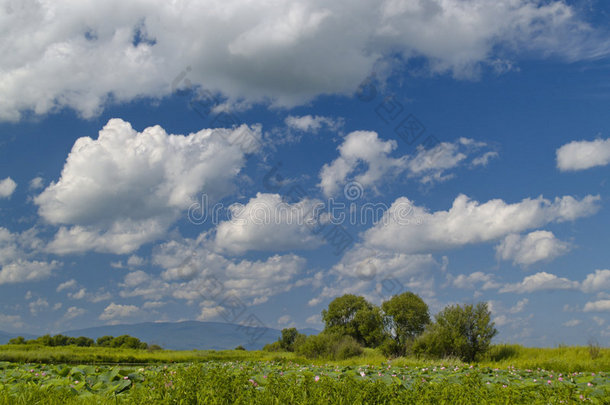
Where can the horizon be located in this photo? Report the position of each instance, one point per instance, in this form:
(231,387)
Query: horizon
(246,165)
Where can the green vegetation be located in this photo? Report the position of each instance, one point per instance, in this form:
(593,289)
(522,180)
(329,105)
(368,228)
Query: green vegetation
(390,354)
(400,327)
(123,341)
(264,382)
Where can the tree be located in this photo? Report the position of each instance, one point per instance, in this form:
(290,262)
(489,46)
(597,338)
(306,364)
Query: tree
(465,332)
(19,340)
(353,316)
(406,317)
(288,337)
(104,341)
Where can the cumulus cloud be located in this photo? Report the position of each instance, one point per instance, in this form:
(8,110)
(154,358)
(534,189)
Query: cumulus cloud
(269,224)
(7,187)
(18,258)
(286,52)
(540,282)
(366,148)
(126,188)
(531,248)
(571,323)
(309,123)
(486,281)
(598,281)
(74,312)
(377,275)
(195,273)
(580,155)
(468,221)
(115,312)
(36,183)
(597,306)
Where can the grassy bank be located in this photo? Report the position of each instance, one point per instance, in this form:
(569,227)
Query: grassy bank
(563,359)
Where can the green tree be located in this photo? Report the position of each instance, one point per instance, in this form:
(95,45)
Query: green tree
(104,341)
(354,316)
(287,339)
(462,331)
(19,340)
(406,317)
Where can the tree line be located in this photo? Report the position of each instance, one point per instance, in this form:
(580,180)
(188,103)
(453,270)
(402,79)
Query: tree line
(400,326)
(123,341)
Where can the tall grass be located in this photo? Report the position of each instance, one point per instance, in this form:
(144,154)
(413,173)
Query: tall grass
(561,359)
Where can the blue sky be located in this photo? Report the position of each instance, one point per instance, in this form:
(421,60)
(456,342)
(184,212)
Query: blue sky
(226,162)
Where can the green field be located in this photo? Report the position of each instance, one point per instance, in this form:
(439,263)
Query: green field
(510,374)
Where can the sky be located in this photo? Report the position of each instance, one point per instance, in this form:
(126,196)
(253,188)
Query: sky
(248,162)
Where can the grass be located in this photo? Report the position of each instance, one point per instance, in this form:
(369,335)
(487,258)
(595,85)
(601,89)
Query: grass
(561,359)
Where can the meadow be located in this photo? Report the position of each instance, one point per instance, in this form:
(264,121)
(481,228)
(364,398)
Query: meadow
(508,374)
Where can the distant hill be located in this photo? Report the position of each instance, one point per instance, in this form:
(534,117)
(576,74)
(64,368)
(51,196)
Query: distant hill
(6,336)
(189,335)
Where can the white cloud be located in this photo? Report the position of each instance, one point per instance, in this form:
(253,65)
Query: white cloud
(309,123)
(580,155)
(126,188)
(287,52)
(66,285)
(38,305)
(598,281)
(598,320)
(540,282)
(284,320)
(113,312)
(267,223)
(571,323)
(597,306)
(7,187)
(531,248)
(484,159)
(378,275)
(315,319)
(478,277)
(74,312)
(13,320)
(194,273)
(21,271)
(469,221)
(360,147)
(78,295)
(519,306)
(135,261)
(153,304)
(365,147)
(18,257)
(36,183)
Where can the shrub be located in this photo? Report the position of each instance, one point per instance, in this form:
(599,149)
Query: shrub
(273,347)
(464,332)
(240,347)
(330,346)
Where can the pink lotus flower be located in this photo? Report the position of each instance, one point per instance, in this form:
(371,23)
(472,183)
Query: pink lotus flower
(316,378)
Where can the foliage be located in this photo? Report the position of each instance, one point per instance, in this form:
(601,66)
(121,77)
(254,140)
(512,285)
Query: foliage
(354,316)
(462,331)
(124,341)
(330,346)
(406,316)
(265,382)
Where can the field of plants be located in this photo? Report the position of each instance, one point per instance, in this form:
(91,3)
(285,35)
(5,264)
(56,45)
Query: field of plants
(287,380)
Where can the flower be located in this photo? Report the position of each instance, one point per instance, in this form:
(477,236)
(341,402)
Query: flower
(362,373)
(317,378)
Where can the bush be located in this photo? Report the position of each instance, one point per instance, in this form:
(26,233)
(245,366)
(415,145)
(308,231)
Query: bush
(463,332)
(240,347)
(273,347)
(330,346)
